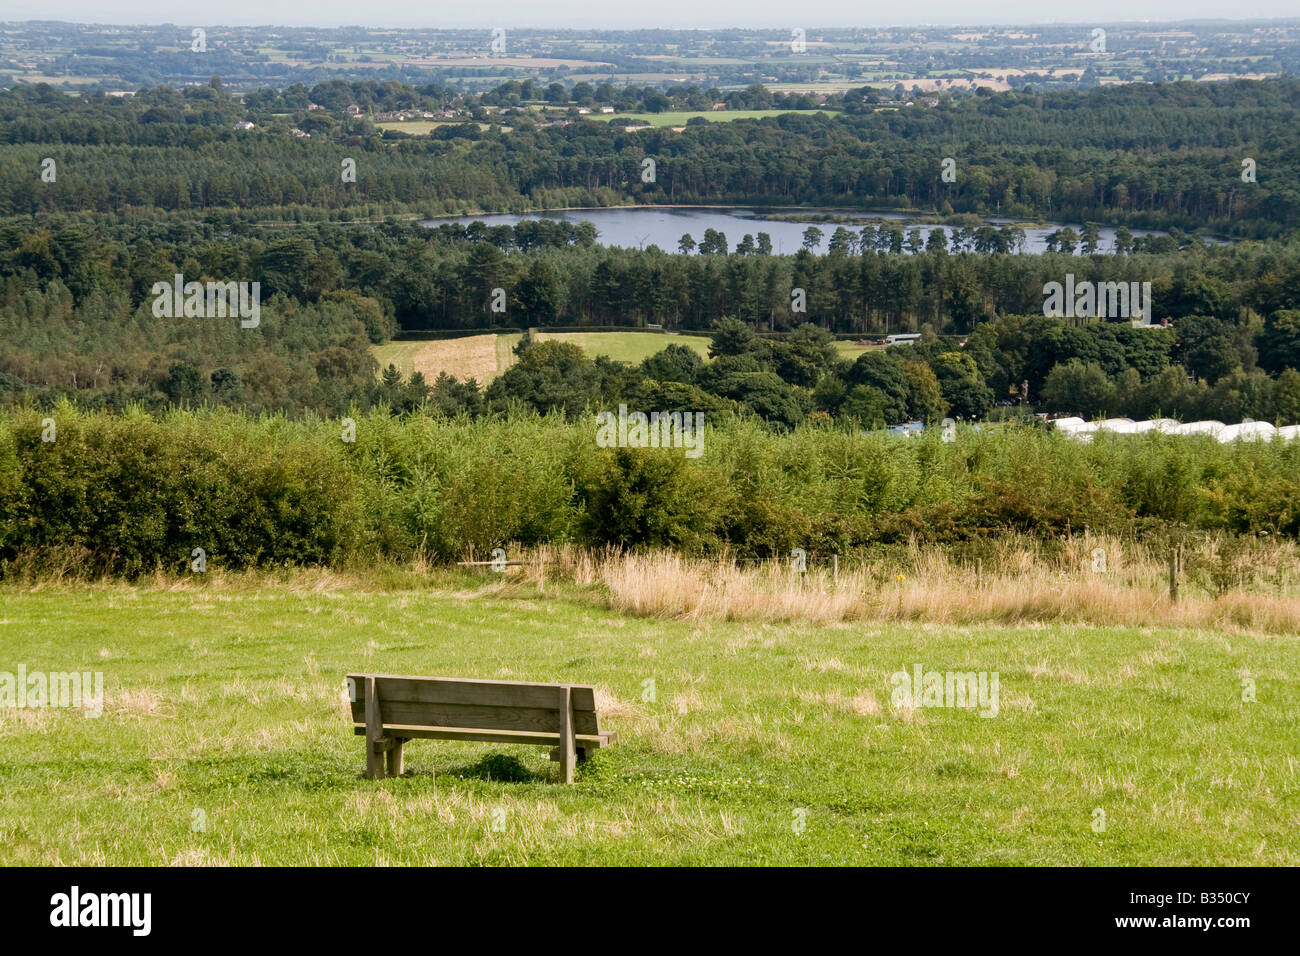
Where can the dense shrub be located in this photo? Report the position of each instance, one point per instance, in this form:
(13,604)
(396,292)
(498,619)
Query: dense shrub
(130,493)
(136,493)
(643,496)
(455,488)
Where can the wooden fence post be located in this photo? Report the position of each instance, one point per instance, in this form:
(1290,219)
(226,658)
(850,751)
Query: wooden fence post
(1175,565)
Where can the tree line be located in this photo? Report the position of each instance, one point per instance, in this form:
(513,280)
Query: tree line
(1155,155)
(76,319)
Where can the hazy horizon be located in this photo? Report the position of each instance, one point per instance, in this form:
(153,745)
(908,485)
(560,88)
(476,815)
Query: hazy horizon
(671,15)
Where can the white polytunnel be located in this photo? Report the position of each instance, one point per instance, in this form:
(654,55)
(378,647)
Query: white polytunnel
(1068,424)
(1200,428)
(1121,426)
(1248,430)
(1162,425)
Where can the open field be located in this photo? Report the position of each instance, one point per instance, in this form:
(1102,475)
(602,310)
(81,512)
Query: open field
(679,117)
(225,738)
(423,127)
(627,346)
(851,349)
(398,352)
(832,61)
(637,346)
(481,357)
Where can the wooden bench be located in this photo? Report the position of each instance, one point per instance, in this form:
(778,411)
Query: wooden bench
(388,711)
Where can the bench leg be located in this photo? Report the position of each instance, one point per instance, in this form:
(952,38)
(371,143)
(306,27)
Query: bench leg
(374,733)
(567,755)
(394,756)
(583,754)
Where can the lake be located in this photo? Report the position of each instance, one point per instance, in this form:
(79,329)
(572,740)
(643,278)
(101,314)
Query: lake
(640,226)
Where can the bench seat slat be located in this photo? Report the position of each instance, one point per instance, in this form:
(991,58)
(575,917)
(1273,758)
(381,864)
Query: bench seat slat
(490,736)
(446,690)
(483,717)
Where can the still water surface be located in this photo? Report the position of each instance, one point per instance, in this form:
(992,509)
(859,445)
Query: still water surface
(641,226)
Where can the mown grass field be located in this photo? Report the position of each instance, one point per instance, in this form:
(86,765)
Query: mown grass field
(225,739)
(423,127)
(631,347)
(679,117)
(851,350)
(399,353)
(637,346)
(481,357)
(471,354)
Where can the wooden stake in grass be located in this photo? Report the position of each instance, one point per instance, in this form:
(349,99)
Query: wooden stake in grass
(1175,565)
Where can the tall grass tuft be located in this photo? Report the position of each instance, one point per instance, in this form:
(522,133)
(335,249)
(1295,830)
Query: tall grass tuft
(1016,585)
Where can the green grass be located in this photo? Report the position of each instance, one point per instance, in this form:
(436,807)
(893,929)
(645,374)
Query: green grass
(679,117)
(631,347)
(506,357)
(398,353)
(225,708)
(850,349)
(816,87)
(424,127)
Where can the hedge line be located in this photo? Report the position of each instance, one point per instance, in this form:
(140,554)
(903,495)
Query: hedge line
(132,493)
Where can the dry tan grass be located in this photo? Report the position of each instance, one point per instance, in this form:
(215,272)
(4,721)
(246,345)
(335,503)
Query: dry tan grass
(1012,587)
(24,721)
(668,585)
(473,356)
(1251,590)
(135,702)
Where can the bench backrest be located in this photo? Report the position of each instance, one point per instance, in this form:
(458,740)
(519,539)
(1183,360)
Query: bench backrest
(436,702)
